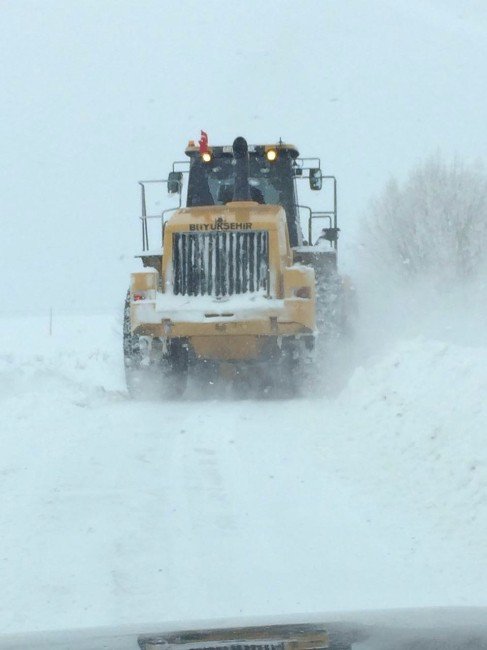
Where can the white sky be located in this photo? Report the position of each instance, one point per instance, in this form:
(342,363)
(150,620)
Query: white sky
(96,95)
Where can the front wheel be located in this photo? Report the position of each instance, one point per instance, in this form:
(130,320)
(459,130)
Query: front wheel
(174,369)
(152,369)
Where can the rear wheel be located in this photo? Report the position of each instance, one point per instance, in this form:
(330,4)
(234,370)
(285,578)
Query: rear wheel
(281,375)
(334,340)
(288,369)
(329,308)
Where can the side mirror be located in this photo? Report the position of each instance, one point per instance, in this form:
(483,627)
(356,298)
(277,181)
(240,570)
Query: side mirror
(174,182)
(315,178)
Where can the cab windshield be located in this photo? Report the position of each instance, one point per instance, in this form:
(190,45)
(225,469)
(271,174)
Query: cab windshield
(271,183)
(213,183)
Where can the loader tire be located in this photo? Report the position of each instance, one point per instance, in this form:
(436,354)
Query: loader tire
(131,354)
(282,375)
(158,375)
(288,372)
(329,312)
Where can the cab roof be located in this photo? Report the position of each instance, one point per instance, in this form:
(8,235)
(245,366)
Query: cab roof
(260,149)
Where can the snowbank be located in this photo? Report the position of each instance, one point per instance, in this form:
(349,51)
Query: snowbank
(116,511)
(76,353)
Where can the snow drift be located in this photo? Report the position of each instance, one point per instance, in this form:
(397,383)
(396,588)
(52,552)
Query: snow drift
(117,511)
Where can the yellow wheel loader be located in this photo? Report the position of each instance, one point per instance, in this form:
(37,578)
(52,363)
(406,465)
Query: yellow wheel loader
(231,285)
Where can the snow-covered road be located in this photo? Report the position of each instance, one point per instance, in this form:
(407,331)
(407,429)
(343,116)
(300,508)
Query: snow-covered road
(114,511)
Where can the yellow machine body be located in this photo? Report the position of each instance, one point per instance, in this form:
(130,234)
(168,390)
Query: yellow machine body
(235,327)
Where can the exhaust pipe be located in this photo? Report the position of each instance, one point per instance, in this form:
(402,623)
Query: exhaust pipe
(241,190)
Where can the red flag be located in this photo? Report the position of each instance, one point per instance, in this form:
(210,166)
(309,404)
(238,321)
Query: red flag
(203,142)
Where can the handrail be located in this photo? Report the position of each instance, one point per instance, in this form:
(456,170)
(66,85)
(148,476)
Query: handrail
(181,162)
(331,215)
(335,198)
(144,217)
(318,215)
(303,160)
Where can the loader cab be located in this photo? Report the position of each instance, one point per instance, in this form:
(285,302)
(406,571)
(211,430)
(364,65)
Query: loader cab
(271,180)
